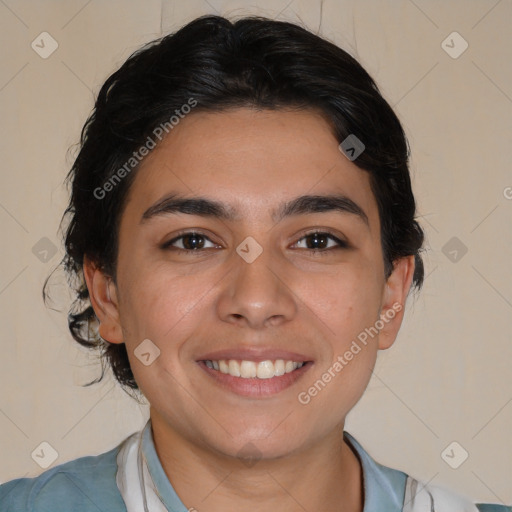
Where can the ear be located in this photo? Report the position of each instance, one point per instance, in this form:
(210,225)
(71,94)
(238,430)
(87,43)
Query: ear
(394,296)
(103,295)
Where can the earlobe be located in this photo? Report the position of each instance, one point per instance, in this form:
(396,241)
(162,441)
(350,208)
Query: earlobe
(395,294)
(103,296)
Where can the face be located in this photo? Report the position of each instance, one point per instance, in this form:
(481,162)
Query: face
(247,275)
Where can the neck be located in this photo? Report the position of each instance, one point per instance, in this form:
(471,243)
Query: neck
(326,476)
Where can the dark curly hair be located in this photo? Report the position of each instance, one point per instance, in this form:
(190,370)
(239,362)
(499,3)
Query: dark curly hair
(253,62)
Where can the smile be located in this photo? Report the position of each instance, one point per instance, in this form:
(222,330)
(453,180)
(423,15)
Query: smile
(252,369)
(254,379)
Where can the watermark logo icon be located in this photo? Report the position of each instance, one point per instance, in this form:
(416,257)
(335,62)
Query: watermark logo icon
(249,249)
(44,45)
(44,455)
(454,249)
(454,455)
(146,352)
(249,454)
(454,45)
(352,147)
(44,250)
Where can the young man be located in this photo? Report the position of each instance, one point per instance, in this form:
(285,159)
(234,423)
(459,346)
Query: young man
(242,222)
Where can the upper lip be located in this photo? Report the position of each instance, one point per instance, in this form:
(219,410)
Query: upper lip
(254,354)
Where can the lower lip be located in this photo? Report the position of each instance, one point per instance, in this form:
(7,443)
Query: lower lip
(256,387)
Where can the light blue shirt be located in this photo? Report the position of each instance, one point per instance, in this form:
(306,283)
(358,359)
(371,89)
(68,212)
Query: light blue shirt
(88,484)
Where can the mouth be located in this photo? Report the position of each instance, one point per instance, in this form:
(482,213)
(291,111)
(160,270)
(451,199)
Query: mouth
(246,369)
(256,379)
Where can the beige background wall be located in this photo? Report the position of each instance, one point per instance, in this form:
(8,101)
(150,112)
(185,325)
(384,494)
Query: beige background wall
(447,378)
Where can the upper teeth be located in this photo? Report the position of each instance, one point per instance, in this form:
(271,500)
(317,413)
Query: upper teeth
(251,369)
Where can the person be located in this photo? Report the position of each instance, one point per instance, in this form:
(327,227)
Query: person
(242,237)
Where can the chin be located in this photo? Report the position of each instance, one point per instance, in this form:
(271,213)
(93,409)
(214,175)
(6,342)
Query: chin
(260,443)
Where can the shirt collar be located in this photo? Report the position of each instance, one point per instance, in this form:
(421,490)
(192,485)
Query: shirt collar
(164,488)
(383,487)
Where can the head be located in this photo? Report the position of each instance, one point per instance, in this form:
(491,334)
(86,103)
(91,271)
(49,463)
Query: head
(213,210)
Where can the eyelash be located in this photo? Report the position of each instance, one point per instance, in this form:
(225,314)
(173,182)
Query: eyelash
(341,244)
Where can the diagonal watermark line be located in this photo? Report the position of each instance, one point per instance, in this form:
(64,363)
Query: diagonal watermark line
(417,83)
(197,302)
(279,424)
(197,402)
(321,17)
(14,423)
(286,490)
(82,492)
(425,14)
(503,407)
(212,7)
(492,81)
(307,192)
(405,404)
(484,218)
(76,76)
(190,189)
(19,19)
(332,332)
(216,487)
(490,490)
(429,223)
(88,411)
(142,408)
(13,77)
(14,218)
(13,279)
(429,274)
(15,485)
(485,15)
(177,177)
(494,288)
(282,10)
(417,492)
(75,15)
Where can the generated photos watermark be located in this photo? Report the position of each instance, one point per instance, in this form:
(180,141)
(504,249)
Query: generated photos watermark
(158,133)
(304,397)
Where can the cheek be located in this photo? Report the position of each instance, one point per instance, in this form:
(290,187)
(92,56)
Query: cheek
(347,300)
(159,308)
(155,303)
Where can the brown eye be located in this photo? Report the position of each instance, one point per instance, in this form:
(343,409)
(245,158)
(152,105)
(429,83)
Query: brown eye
(190,242)
(319,241)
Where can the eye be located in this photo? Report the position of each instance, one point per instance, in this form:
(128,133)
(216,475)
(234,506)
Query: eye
(316,242)
(320,241)
(190,241)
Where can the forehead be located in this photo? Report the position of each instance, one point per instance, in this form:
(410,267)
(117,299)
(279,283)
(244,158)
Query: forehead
(252,160)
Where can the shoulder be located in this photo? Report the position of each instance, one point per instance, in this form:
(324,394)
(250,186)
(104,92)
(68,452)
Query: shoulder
(482,507)
(420,496)
(82,485)
(400,492)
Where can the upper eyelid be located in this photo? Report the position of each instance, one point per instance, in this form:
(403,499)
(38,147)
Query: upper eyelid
(184,234)
(324,231)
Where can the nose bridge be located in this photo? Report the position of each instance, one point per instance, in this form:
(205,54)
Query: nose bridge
(255,289)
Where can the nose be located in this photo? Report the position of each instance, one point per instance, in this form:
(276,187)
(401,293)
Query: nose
(257,293)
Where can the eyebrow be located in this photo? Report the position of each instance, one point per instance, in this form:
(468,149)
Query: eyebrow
(302,205)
